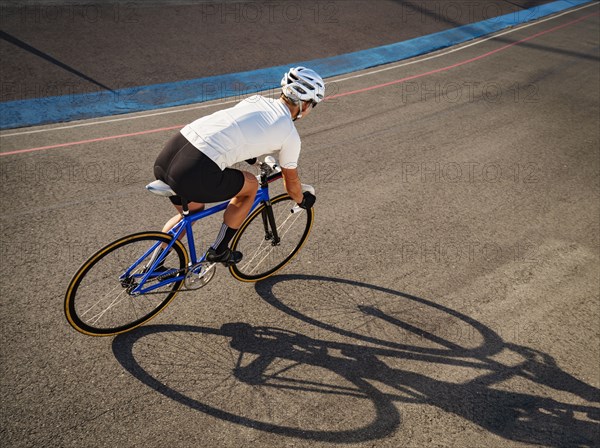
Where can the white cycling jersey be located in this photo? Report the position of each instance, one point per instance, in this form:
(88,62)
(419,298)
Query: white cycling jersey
(254,127)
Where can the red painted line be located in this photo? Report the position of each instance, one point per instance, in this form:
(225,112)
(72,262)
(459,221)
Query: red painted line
(458,64)
(339,95)
(93,140)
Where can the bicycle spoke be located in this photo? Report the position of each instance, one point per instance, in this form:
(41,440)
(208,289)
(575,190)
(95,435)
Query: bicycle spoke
(272,248)
(115,302)
(290,226)
(94,305)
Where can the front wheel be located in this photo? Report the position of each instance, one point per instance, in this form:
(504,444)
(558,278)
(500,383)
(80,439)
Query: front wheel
(102,299)
(269,238)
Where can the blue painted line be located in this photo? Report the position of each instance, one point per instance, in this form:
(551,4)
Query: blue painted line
(55,109)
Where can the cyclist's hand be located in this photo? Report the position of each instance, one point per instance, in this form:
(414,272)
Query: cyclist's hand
(308,201)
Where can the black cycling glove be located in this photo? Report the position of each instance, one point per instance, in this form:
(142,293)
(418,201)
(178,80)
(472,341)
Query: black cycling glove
(308,201)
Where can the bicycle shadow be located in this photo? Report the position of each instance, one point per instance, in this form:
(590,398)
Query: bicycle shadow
(274,355)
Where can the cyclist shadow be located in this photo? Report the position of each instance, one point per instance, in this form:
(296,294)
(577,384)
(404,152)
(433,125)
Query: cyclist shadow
(512,415)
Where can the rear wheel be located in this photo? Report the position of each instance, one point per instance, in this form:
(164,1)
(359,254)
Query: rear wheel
(266,251)
(100,299)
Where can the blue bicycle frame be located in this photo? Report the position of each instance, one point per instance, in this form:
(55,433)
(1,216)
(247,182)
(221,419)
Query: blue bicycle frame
(262,196)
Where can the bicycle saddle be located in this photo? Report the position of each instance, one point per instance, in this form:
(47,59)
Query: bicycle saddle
(160,188)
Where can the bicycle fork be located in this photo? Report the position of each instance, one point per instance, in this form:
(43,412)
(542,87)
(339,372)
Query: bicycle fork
(269,221)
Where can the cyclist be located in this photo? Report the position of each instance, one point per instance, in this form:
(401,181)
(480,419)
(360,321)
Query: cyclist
(196,162)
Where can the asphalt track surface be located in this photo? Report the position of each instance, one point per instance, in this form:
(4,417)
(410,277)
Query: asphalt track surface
(448,295)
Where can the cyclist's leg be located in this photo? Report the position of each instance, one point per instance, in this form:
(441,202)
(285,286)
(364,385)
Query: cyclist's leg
(234,216)
(240,205)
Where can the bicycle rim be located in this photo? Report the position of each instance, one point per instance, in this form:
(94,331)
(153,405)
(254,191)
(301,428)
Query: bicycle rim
(261,258)
(99,299)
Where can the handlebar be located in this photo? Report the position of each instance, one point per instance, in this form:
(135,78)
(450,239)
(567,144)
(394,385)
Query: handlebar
(272,163)
(270,171)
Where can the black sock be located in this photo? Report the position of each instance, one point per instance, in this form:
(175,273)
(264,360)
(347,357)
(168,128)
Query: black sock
(223,239)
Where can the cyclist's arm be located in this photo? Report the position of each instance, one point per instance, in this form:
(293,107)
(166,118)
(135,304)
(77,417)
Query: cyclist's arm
(292,183)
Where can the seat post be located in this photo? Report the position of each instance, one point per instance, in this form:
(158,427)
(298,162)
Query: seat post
(184,206)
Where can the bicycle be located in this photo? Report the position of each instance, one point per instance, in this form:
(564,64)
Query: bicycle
(123,285)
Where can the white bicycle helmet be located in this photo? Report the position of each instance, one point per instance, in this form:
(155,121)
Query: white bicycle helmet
(303,84)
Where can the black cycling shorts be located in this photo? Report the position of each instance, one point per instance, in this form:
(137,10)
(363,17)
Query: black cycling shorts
(193,175)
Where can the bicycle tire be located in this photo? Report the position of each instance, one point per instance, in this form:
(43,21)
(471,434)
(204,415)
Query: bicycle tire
(104,269)
(252,241)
